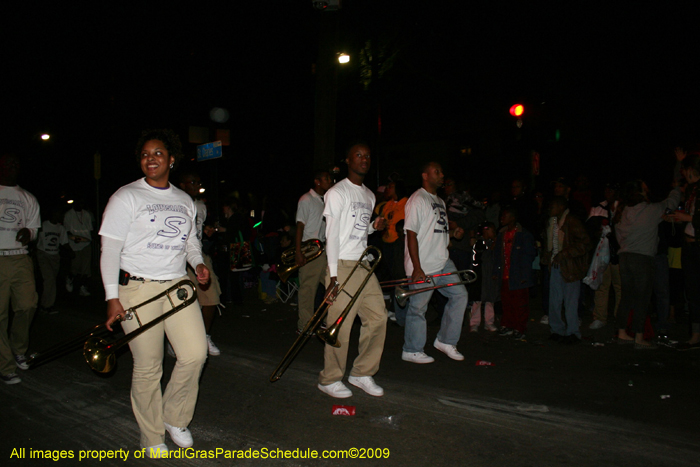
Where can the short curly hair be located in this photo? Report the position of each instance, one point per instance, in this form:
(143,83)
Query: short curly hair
(168,137)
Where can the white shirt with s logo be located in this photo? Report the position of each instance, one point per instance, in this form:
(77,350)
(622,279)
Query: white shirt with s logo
(158,228)
(18,209)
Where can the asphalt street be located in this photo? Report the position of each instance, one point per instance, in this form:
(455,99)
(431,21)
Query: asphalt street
(539,403)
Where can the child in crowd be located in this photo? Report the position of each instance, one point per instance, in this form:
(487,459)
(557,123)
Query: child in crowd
(485,290)
(514,252)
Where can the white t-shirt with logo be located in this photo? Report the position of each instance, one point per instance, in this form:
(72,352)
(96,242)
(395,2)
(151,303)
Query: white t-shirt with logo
(18,209)
(51,237)
(427,217)
(349,210)
(310,213)
(157,227)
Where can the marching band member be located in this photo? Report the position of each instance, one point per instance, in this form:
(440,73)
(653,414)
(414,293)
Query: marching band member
(427,238)
(52,237)
(19,222)
(148,234)
(207,295)
(78,224)
(348,211)
(311,225)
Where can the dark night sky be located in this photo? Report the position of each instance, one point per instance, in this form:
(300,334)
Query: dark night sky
(618,82)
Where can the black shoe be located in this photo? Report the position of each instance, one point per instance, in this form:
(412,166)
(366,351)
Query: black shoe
(570,340)
(554,337)
(518,336)
(505,332)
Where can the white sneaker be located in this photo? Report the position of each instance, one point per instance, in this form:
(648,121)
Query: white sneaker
(84,291)
(449,350)
(474,329)
(337,390)
(213,349)
(367,384)
(416,357)
(181,436)
(12,378)
(21,362)
(171,351)
(156,452)
(544,319)
(597,324)
(392,316)
(69,285)
(491,328)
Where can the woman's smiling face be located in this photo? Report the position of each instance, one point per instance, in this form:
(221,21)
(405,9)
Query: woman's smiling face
(155,162)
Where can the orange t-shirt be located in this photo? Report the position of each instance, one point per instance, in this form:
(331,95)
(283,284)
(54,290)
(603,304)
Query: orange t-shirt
(393,212)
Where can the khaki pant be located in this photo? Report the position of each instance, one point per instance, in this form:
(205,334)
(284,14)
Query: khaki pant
(49,266)
(611,276)
(185,331)
(16,284)
(310,276)
(369,306)
(209,297)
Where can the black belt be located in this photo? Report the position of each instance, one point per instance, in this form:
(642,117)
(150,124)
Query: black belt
(141,279)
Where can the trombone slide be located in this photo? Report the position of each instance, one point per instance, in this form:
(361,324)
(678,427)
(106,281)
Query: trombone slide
(402,294)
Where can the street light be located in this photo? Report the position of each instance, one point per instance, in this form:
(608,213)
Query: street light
(45,136)
(343,58)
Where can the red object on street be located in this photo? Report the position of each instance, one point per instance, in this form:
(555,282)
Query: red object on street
(483,363)
(343,410)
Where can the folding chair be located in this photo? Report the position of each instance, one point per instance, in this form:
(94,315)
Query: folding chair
(286,290)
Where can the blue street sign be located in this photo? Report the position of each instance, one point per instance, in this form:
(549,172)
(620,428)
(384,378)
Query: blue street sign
(209,151)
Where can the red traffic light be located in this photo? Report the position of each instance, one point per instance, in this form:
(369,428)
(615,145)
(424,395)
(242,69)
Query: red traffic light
(517,110)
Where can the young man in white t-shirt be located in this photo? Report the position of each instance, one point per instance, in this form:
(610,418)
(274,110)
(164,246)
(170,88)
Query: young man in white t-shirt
(311,225)
(19,223)
(348,212)
(427,238)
